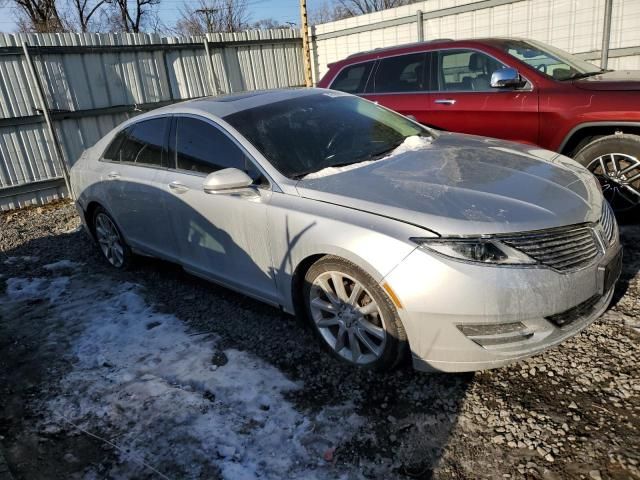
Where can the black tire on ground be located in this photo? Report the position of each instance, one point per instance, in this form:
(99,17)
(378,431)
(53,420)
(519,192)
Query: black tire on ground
(616,187)
(395,343)
(127,255)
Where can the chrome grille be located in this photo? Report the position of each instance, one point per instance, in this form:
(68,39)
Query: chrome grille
(563,249)
(608,223)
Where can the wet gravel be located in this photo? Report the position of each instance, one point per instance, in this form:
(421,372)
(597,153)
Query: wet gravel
(572,412)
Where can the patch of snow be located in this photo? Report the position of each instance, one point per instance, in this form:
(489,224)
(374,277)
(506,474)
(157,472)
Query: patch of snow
(61,265)
(36,288)
(142,382)
(410,144)
(24,259)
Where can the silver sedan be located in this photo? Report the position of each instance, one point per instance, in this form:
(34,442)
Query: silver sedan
(389,237)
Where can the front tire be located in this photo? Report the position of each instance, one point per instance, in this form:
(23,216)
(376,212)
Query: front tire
(110,241)
(615,161)
(352,315)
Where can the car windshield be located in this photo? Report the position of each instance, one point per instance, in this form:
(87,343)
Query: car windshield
(551,61)
(306,134)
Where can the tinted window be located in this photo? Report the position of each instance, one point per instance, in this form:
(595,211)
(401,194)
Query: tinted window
(405,73)
(466,70)
(203,148)
(113,150)
(353,79)
(306,134)
(144,143)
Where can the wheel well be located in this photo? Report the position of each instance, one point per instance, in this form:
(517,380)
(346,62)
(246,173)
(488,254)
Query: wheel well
(298,281)
(88,216)
(587,135)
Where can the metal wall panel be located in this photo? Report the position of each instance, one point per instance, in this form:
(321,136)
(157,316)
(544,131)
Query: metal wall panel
(131,71)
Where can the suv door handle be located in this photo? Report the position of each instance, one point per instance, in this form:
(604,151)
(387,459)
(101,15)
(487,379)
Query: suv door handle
(178,187)
(113,175)
(445,101)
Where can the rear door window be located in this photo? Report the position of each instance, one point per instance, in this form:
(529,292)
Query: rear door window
(403,73)
(353,79)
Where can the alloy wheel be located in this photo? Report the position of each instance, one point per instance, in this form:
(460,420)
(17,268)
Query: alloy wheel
(348,317)
(619,175)
(109,240)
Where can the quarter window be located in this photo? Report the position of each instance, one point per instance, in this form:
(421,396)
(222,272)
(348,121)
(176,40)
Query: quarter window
(112,153)
(466,70)
(203,148)
(141,143)
(404,73)
(353,79)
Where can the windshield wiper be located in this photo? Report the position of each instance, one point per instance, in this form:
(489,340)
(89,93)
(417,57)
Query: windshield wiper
(579,75)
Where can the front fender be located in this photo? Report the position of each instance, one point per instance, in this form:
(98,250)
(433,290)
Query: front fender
(300,228)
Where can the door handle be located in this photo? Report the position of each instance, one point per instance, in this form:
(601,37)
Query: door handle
(178,187)
(113,175)
(445,101)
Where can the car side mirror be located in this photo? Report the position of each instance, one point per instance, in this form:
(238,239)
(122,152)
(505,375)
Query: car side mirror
(226,179)
(506,78)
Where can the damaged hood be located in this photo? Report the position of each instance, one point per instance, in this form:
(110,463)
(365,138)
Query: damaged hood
(465,185)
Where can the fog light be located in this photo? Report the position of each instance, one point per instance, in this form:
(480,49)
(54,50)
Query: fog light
(492,334)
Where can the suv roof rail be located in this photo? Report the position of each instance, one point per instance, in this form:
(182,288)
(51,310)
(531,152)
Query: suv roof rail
(404,45)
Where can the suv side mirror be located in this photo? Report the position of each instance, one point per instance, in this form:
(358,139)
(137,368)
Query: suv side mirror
(226,179)
(506,78)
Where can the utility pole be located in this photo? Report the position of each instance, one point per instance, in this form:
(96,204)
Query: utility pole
(207,13)
(306,52)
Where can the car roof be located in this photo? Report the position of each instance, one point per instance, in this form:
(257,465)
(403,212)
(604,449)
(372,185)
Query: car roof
(223,105)
(426,45)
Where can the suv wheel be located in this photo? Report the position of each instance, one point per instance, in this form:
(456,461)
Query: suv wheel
(352,316)
(615,161)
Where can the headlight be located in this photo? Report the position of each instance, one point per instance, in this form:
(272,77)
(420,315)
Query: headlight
(478,250)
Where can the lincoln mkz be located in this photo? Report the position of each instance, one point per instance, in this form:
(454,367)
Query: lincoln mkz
(389,237)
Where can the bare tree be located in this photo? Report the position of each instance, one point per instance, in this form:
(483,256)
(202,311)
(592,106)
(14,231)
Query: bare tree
(131,16)
(84,11)
(352,8)
(208,16)
(326,12)
(270,23)
(39,16)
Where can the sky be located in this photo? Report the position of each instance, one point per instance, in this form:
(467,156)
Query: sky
(280,10)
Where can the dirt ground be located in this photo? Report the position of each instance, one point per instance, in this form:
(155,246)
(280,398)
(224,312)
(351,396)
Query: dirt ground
(152,373)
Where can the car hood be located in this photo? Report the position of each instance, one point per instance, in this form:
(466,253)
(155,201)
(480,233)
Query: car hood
(464,185)
(616,80)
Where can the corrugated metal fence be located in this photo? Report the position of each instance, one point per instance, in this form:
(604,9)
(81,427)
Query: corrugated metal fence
(573,25)
(92,82)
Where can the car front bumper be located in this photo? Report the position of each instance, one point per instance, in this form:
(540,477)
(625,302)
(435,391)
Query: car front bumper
(453,312)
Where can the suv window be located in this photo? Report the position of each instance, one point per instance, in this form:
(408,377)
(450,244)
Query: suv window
(404,73)
(466,70)
(353,79)
(141,143)
(203,148)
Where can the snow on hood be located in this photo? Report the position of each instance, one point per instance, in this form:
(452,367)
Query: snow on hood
(465,185)
(410,144)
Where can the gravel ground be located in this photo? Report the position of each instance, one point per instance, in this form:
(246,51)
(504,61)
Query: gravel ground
(573,412)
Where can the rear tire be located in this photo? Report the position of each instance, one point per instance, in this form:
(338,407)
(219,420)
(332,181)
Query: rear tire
(352,316)
(615,161)
(110,241)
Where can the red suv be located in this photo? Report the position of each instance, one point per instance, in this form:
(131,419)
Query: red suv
(514,89)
